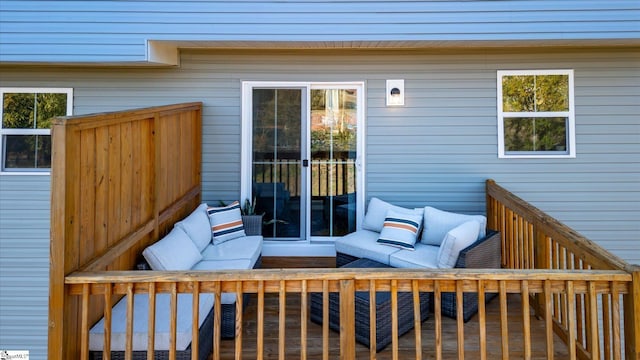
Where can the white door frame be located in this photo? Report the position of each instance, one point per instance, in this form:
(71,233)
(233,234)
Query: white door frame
(246,152)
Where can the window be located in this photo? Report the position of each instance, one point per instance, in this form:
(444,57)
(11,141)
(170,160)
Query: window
(536,114)
(25,131)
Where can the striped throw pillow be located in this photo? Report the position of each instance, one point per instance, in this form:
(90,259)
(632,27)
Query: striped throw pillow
(226,222)
(400,230)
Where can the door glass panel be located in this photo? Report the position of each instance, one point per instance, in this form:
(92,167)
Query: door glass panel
(276,164)
(333,161)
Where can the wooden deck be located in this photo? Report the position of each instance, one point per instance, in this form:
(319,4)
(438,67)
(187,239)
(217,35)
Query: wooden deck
(407,341)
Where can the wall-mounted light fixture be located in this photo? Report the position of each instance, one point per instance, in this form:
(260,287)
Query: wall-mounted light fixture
(395,92)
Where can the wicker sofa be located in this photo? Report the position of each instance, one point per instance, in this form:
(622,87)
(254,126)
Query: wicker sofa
(189,246)
(439,229)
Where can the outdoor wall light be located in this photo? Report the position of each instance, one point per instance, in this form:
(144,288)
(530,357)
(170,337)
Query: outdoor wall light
(395,92)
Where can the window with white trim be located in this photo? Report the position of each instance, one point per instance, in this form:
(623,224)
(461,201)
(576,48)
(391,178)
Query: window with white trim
(25,130)
(536,116)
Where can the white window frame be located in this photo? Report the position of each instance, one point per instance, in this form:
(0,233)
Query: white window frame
(4,132)
(570,115)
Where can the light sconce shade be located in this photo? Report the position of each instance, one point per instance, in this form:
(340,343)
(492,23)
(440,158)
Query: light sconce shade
(395,92)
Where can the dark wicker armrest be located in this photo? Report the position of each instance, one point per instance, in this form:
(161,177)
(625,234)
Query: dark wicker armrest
(483,254)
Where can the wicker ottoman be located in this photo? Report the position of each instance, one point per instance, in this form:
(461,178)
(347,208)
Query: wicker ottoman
(383,310)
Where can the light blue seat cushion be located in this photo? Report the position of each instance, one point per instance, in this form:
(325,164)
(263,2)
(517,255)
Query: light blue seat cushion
(140,336)
(364,244)
(424,256)
(244,248)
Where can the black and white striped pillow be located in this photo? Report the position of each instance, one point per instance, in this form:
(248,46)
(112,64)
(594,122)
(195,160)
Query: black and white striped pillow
(226,222)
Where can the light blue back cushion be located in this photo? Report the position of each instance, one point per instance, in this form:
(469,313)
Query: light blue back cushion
(175,251)
(400,230)
(455,240)
(438,222)
(197,226)
(377,212)
(226,222)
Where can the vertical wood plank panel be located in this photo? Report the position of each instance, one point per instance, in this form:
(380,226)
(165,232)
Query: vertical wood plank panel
(615,321)
(195,320)
(459,320)
(126,186)
(417,323)
(114,176)
(571,320)
(526,319)
(482,321)
(347,320)
(437,312)
(304,319)
(152,322)
(101,189)
(128,353)
(87,193)
(372,320)
(260,330)
(548,318)
(504,321)
(238,327)
(104,195)
(394,318)
(592,326)
(217,319)
(282,320)
(325,319)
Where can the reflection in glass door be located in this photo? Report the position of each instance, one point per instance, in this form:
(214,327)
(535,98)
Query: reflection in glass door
(333,161)
(277,157)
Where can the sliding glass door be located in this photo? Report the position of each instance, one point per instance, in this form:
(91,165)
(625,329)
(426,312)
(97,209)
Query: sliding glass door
(304,159)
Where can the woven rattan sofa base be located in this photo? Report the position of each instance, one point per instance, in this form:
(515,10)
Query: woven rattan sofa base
(483,254)
(383,310)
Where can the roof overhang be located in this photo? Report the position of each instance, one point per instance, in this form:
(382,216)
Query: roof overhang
(164,53)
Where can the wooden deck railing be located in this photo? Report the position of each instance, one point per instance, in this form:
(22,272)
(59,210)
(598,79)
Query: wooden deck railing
(590,284)
(534,240)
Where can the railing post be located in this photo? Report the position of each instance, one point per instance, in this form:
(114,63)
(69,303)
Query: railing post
(347,320)
(632,317)
(542,261)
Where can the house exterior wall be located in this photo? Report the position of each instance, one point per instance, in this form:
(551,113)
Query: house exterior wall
(118,31)
(436,150)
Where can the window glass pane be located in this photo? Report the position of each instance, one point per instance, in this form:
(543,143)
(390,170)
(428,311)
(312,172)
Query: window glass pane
(552,93)
(48,106)
(535,134)
(518,93)
(333,154)
(277,161)
(18,110)
(27,151)
(535,93)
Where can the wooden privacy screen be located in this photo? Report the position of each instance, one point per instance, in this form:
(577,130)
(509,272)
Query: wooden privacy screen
(119,181)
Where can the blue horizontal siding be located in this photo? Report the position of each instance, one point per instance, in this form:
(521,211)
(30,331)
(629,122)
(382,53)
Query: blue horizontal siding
(437,150)
(113,31)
